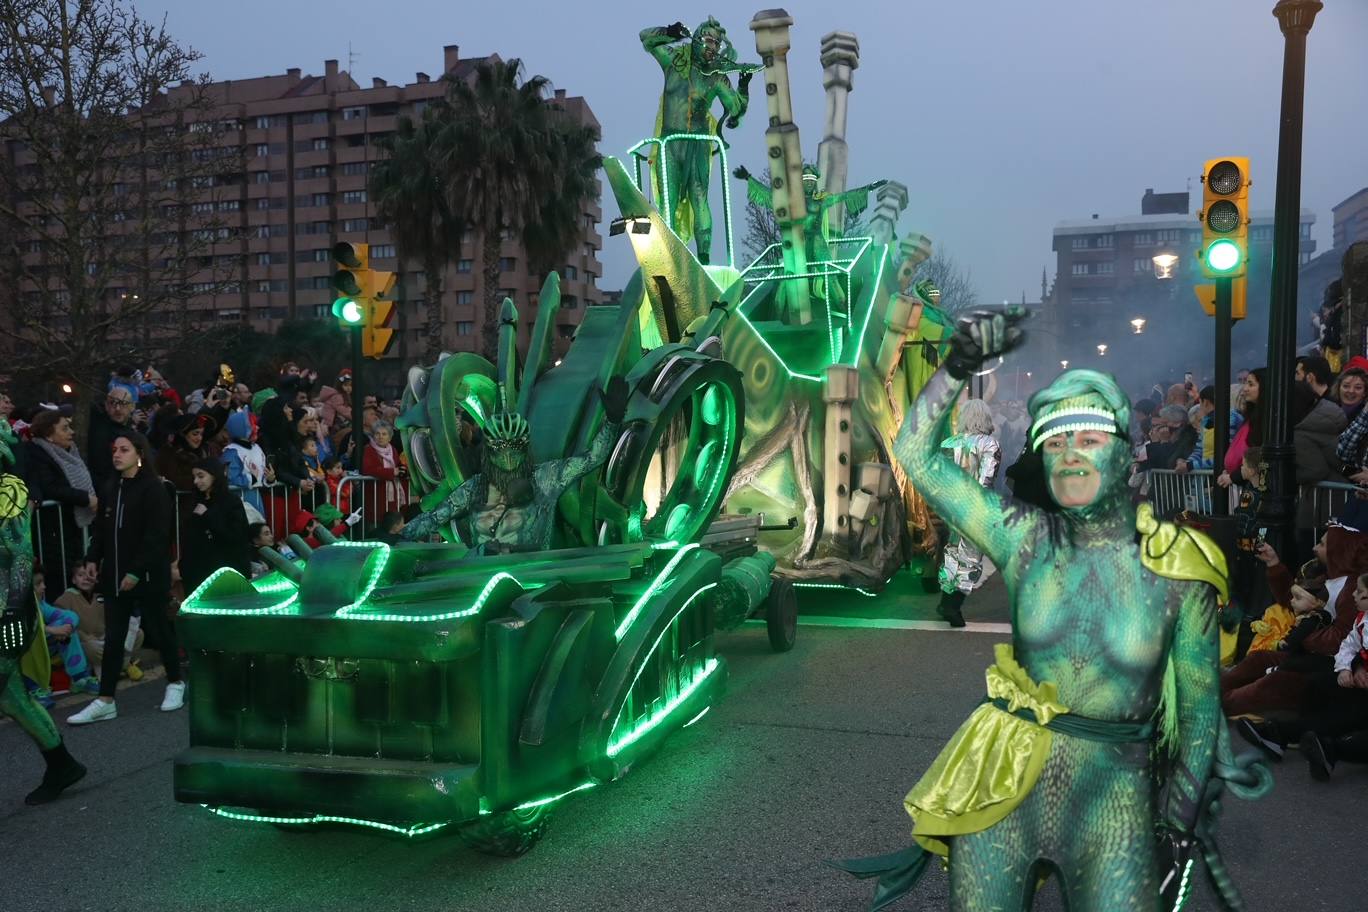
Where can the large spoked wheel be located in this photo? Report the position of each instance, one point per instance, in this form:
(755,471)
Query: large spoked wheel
(691,407)
(781,615)
(508,834)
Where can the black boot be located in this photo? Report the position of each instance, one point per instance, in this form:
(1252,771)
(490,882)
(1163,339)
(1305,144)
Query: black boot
(949,608)
(1352,747)
(62,771)
(1320,755)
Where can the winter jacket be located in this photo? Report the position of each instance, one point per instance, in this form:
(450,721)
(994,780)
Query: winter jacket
(176,465)
(47,481)
(1315,438)
(1204,455)
(213,539)
(132,533)
(1238,445)
(99,438)
(335,406)
(1347,556)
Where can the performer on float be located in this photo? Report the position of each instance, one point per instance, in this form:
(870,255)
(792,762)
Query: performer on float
(695,76)
(1108,693)
(510,504)
(19,628)
(975,450)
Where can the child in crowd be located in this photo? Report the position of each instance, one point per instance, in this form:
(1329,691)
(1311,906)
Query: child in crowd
(310,450)
(261,536)
(82,599)
(60,626)
(339,494)
(244,459)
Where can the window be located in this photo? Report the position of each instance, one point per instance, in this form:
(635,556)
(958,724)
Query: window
(382,251)
(571,272)
(266,286)
(569,302)
(1140,265)
(202,208)
(357,113)
(1305,229)
(1261,234)
(465,297)
(355,224)
(589,251)
(465,265)
(1081,269)
(1143,239)
(230,206)
(1169,235)
(313,227)
(322,255)
(464,327)
(1106,268)
(312,172)
(566,330)
(508,264)
(311,117)
(312,199)
(1104,241)
(352,169)
(1079,243)
(320,144)
(263,150)
(353,196)
(590,221)
(313,283)
(268,121)
(263,177)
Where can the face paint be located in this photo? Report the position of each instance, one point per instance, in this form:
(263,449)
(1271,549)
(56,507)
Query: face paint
(1086,470)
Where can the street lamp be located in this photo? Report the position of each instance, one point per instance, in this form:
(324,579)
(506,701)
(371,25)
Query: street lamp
(1139,324)
(1164,264)
(1101,348)
(1064,365)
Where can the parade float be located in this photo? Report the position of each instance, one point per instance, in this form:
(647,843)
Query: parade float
(718,436)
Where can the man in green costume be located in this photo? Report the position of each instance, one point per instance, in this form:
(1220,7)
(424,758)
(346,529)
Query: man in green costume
(16,578)
(819,203)
(695,76)
(1102,725)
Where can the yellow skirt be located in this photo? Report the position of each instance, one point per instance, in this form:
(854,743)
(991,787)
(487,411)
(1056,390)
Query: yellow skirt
(990,764)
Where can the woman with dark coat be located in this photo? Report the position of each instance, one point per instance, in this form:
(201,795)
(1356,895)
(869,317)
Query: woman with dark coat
(176,462)
(131,552)
(214,534)
(54,471)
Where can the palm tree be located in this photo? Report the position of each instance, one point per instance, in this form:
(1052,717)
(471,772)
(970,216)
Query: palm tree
(407,190)
(514,162)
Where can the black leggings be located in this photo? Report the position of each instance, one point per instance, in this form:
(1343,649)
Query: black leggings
(151,604)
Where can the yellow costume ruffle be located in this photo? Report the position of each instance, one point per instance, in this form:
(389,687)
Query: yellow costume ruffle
(991,764)
(1270,630)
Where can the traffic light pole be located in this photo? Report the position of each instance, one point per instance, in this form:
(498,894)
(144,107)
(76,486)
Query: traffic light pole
(1220,418)
(358,397)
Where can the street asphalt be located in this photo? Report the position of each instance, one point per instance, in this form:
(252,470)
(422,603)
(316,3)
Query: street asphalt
(806,758)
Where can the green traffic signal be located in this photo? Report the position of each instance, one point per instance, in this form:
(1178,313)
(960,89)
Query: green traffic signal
(348,310)
(1223,256)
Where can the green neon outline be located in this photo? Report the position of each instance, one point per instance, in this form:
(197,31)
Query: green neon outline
(475,607)
(655,720)
(663,142)
(652,590)
(417,829)
(865,592)
(705,711)
(192,603)
(583,786)
(765,342)
(878,282)
(376,571)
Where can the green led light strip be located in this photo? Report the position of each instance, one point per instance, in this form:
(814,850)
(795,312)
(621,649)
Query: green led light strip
(475,608)
(410,831)
(652,589)
(865,592)
(662,143)
(554,798)
(651,722)
(192,605)
(878,283)
(705,711)
(765,342)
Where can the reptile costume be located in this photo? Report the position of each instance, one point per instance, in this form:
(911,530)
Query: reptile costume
(511,506)
(695,75)
(1108,694)
(16,578)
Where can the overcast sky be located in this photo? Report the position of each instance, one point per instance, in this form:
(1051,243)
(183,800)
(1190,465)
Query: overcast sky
(1003,117)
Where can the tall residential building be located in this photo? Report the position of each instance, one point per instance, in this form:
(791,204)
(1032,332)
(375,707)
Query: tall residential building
(1106,278)
(301,149)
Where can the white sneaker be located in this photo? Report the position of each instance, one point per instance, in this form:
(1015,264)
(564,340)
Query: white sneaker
(95,711)
(175,697)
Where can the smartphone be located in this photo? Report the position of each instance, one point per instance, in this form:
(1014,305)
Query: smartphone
(1263,536)
(1187,377)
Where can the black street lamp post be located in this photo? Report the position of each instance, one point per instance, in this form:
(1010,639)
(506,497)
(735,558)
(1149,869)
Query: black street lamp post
(1294,18)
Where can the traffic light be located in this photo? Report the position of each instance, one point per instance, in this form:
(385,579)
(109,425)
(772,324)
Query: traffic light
(1225,218)
(376,336)
(1206,296)
(351,283)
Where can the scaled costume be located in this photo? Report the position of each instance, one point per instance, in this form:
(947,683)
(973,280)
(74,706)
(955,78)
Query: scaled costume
(1100,749)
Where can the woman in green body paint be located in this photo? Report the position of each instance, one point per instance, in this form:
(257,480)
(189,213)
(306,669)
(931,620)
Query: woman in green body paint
(1056,771)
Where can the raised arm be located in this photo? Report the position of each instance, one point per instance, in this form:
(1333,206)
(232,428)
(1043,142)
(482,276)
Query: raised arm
(756,191)
(1195,654)
(1000,527)
(560,474)
(657,40)
(456,506)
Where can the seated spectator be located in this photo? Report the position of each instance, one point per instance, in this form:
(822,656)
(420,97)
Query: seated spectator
(1279,620)
(87,604)
(63,643)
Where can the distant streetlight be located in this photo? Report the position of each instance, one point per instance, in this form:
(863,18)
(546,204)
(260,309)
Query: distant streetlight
(1064,365)
(1101,348)
(1139,324)
(66,389)
(1163,265)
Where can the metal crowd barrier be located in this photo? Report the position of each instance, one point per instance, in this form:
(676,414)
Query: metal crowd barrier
(1172,492)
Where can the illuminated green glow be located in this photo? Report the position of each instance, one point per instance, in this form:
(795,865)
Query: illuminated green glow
(865,592)
(554,798)
(1224,255)
(878,283)
(703,465)
(475,607)
(654,720)
(705,711)
(765,342)
(665,545)
(728,451)
(376,571)
(711,409)
(653,589)
(661,142)
(476,408)
(417,829)
(348,310)
(194,603)
(679,518)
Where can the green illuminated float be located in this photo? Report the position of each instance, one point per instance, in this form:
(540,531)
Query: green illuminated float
(422,687)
